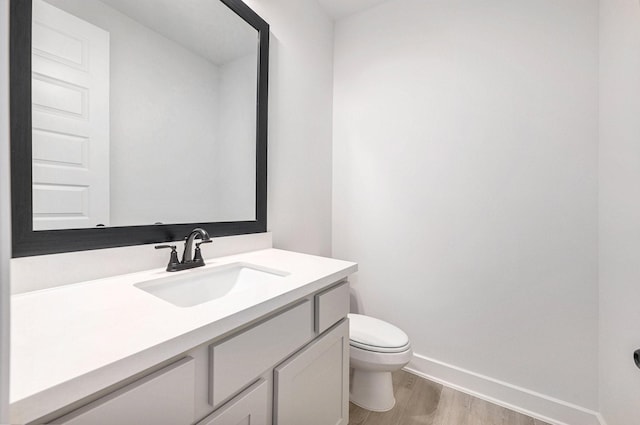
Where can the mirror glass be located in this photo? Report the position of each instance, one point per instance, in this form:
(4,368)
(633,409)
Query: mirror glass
(143,112)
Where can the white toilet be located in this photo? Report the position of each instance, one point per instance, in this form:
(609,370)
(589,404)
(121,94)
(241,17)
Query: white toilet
(377,348)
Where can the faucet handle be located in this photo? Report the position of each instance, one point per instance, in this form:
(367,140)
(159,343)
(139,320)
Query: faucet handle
(197,256)
(173,259)
(173,247)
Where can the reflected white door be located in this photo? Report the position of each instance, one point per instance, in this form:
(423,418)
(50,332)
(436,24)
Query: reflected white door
(70,93)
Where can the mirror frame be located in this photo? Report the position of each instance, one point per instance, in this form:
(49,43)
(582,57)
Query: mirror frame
(26,241)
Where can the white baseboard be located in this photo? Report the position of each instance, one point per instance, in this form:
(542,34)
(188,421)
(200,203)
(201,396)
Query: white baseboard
(522,400)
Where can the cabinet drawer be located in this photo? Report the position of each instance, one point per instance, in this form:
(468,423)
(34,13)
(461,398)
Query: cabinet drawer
(238,361)
(250,407)
(165,397)
(332,306)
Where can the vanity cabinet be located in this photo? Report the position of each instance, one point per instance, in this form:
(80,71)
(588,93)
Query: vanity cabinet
(288,368)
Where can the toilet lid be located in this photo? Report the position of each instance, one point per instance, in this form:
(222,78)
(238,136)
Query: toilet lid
(377,335)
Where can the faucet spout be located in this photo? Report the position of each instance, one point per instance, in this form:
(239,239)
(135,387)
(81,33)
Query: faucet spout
(187,255)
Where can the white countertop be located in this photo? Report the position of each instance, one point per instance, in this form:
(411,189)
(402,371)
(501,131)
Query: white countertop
(71,341)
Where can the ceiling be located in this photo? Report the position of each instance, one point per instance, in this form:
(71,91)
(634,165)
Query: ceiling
(340,8)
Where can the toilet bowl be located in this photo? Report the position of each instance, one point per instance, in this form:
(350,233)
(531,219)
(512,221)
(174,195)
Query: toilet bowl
(376,348)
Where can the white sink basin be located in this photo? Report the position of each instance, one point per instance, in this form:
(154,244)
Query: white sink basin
(193,287)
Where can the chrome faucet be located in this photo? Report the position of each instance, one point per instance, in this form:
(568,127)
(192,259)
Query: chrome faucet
(188,261)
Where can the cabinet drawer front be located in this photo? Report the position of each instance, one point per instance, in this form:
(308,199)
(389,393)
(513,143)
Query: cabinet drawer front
(165,397)
(251,407)
(239,360)
(332,306)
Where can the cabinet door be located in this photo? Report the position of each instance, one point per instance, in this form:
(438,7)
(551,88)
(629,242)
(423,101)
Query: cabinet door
(165,397)
(250,407)
(312,387)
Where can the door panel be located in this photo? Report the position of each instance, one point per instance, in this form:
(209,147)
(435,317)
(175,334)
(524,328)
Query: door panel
(70,95)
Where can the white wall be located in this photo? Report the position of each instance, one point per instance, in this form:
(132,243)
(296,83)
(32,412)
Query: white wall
(233,167)
(300,104)
(465,186)
(5,213)
(619,210)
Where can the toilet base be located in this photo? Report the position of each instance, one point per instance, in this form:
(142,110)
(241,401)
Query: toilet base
(372,390)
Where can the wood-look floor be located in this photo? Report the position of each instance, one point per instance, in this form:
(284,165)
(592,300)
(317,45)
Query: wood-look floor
(422,402)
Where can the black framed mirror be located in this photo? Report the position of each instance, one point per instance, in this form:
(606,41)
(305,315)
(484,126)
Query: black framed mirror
(189,151)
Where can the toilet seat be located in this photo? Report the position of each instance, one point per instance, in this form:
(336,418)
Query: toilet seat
(377,349)
(371,334)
